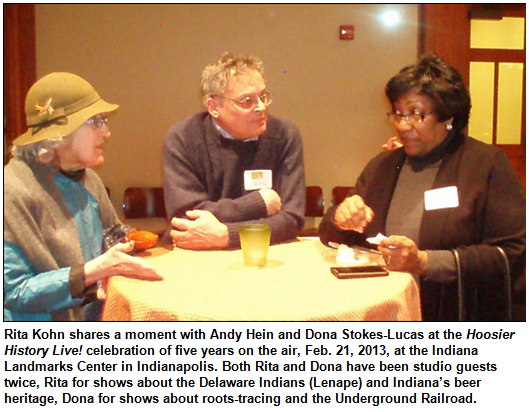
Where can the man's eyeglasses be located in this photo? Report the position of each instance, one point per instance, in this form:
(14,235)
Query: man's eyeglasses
(97,121)
(411,118)
(251,102)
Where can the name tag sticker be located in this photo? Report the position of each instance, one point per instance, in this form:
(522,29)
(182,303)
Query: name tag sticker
(443,198)
(257,179)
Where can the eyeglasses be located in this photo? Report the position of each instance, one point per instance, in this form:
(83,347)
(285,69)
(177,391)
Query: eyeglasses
(411,118)
(251,102)
(97,121)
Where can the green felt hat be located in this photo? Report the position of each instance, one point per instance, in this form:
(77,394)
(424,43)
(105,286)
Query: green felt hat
(57,105)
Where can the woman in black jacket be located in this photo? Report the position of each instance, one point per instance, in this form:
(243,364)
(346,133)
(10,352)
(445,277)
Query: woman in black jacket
(452,208)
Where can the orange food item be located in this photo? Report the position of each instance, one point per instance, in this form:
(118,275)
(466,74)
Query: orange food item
(143,239)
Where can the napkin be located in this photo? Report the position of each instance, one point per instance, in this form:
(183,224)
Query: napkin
(377,239)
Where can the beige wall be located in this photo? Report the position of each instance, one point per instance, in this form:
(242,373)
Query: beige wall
(149,58)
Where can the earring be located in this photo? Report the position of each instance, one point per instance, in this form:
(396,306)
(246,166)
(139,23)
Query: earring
(449,127)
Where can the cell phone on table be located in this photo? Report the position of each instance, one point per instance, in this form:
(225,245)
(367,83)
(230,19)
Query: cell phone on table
(350,272)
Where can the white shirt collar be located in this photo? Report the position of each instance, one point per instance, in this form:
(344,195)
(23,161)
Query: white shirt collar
(226,135)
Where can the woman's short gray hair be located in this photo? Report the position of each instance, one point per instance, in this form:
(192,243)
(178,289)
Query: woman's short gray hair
(215,76)
(43,151)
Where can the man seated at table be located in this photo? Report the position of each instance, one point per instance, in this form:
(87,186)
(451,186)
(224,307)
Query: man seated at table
(234,163)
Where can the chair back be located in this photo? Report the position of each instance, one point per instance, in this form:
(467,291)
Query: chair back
(144,202)
(475,305)
(314,205)
(339,193)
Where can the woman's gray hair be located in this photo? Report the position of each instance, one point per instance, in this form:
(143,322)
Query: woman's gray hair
(43,151)
(215,76)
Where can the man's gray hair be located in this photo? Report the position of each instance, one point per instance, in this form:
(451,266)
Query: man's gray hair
(215,76)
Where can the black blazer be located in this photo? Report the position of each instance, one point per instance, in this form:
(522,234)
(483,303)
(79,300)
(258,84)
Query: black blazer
(491,213)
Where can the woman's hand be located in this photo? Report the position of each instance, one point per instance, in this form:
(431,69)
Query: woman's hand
(116,261)
(102,289)
(402,254)
(353,214)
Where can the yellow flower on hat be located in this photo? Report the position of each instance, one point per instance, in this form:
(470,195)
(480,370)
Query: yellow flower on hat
(47,108)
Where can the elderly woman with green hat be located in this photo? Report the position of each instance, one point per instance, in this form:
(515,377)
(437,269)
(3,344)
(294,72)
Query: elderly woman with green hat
(56,209)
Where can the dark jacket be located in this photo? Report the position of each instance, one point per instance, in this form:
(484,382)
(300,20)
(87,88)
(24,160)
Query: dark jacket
(491,212)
